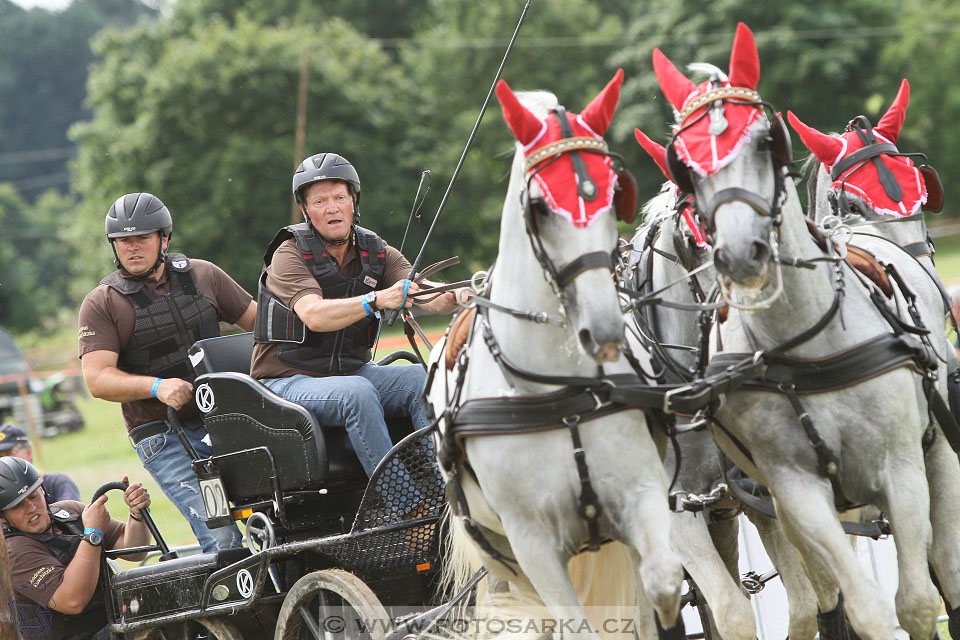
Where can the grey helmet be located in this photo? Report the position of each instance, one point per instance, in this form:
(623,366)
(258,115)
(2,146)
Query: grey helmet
(18,479)
(327,166)
(136,214)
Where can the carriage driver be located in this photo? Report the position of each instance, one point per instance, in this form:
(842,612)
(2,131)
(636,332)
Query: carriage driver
(324,283)
(135,329)
(54,552)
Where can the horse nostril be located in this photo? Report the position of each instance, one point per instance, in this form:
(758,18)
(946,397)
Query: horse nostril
(759,251)
(586,339)
(720,260)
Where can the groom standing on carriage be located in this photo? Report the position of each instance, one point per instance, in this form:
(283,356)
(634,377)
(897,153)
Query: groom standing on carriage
(323,286)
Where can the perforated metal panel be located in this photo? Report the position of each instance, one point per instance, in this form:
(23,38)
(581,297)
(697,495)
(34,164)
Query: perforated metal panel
(396,528)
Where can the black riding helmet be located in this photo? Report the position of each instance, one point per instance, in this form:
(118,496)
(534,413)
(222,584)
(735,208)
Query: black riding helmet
(326,166)
(137,214)
(18,479)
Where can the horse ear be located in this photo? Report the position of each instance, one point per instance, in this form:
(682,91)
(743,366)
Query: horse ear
(598,114)
(675,86)
(524,125)
(744,59)
(892,121)
(825,148)
(656,151)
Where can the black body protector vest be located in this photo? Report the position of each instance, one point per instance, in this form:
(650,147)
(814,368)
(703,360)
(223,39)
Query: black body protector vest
(340,351)
(37,620)
(167,325)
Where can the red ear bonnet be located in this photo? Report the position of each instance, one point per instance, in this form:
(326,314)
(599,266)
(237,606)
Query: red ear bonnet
(556,177)
(656,151)
(862,180)
(744,59)
(599,113)
(524,125)
(697,146)
(675,86)
(826,148)
(892,121)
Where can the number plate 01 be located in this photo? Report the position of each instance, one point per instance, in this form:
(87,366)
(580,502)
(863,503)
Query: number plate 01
(214,497)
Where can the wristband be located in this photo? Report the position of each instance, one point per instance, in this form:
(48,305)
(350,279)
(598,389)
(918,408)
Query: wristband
(156,385)
(366,307)
(137,518)
(87,530)
(406,287)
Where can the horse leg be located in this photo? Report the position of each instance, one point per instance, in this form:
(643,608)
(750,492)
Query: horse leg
(660,570)
(943,477)
(543,559)
(908,507)
(809,520)
(732,613)
(801,598)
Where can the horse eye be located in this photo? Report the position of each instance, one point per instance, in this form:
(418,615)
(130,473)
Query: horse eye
(539,208)
(764,143)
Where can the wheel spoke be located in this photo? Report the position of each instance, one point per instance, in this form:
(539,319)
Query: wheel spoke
(309,621)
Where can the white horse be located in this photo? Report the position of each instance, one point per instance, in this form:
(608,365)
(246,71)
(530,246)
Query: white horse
(813,431)
(537,485)
(670,258)
(866,183)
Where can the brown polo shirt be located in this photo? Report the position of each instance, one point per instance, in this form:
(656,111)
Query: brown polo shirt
(107,318)
(35,573)
(289,279)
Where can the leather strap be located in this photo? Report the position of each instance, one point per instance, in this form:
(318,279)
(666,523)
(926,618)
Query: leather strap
(585,262)
(861,155)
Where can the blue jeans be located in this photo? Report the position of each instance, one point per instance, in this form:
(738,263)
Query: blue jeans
(360,402)
(164,457)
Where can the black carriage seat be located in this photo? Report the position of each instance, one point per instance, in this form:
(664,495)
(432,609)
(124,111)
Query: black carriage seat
(240,413)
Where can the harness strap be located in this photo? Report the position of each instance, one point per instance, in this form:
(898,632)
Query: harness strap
(861,155)
(458,502)
(592,260)
(586,187)
(590,508)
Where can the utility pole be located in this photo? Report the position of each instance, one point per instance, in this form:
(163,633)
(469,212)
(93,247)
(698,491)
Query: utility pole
(301,130)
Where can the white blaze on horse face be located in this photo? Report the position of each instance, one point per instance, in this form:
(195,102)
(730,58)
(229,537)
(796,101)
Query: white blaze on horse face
(590,300)
(742,243)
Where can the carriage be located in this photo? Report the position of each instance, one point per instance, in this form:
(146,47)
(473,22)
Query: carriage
(327,552)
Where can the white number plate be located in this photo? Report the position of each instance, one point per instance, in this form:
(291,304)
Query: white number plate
(214,498)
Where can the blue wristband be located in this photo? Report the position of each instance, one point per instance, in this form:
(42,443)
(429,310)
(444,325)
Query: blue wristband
(87,530)
(156,385)
(406,287)
(366,307)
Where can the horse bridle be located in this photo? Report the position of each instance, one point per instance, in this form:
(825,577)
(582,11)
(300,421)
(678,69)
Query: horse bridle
(778,143)
(560,277)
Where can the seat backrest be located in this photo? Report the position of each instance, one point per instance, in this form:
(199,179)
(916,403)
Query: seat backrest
(239,413)
(223,353)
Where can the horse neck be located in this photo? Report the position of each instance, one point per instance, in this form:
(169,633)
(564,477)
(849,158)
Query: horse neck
(674,326)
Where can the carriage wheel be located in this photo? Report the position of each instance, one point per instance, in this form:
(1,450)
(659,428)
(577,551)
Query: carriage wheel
(332,605)
(198,629)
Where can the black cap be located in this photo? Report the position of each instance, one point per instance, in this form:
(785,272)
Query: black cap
(11,436)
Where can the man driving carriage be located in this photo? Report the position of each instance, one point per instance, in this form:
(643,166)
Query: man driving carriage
(135,329)
(54,550)
(324,283)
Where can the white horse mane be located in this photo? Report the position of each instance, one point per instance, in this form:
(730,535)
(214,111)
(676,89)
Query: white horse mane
(707,69)
(661,205)
(538,102)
